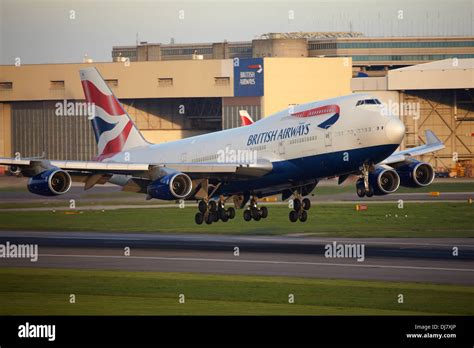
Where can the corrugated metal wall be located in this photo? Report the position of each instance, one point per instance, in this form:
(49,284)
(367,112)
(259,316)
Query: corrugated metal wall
(37,129)
(231,118)
(449,113)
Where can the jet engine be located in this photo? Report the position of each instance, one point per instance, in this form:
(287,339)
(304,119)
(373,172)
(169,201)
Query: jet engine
(170,187)
(415,174)
(51,182)
(384,180)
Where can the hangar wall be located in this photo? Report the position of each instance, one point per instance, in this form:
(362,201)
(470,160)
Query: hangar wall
(441,94)
(450,114)
(5,130)
(167,100)
(35,128)
(290,81)
(163,79)
(232,106)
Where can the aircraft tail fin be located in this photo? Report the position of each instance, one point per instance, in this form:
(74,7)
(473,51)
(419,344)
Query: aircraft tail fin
(245,118)
(113,128)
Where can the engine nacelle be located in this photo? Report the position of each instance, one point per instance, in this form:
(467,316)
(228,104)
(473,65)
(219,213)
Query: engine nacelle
(416,174)
(14,170)
(171,187)
(384,181)
(51,182)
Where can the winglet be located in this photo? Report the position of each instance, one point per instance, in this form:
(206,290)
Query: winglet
(431,138)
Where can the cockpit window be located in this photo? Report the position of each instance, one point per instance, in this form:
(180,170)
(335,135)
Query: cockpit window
(368,102)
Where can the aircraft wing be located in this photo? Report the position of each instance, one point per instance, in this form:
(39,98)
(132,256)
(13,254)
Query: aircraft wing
(432,144)
(144,170)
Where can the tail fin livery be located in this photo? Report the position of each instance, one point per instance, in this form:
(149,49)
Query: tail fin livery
(245,118)
(113,128)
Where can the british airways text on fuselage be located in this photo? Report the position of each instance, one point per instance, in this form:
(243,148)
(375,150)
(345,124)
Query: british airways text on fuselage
(272,135)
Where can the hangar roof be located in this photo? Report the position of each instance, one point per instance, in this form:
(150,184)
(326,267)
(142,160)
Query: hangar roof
(443,74)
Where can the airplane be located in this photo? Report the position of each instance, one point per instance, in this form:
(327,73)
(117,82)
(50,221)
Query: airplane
(245,118)
(286,153)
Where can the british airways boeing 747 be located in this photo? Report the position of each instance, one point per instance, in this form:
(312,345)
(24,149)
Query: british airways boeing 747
(286,153)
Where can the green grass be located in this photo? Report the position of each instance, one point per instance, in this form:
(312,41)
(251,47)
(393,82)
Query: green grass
(380,220)
(64,203)
(435,187)
(441,187)
(47,291)
(13,189)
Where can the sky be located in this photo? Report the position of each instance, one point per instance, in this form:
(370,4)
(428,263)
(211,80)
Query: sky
(63,31)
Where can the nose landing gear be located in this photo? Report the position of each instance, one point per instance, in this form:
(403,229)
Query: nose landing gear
(363,187)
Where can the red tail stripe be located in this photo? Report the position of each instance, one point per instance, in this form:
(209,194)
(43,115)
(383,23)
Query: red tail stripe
(106,102)
(116,145)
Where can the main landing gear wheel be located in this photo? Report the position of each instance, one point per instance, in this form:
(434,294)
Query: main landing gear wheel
(300,208)
(254,212)
(247,215)
(213,211)
(199,218)
(202,207)
(304,216)
(306,204)
(297,204)
(293,216)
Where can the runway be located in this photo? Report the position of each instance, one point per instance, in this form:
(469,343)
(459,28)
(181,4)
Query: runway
(387,259)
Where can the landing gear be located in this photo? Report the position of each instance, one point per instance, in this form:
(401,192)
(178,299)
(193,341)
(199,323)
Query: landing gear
(300,208)
(306,204)
(199,218)
(213,211)
(254,212)
(363,187)
(362,191)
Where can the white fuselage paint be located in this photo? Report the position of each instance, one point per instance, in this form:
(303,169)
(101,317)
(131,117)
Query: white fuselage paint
(358,127)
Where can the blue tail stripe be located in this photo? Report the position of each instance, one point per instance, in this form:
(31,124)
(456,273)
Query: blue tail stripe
(100,126)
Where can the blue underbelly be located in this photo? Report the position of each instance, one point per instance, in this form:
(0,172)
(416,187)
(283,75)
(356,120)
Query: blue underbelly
(311,167)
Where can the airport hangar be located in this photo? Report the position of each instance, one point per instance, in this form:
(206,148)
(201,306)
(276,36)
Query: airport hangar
(175,91)
(167,100)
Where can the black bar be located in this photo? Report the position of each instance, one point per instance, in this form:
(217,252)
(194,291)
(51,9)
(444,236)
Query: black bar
(328,330)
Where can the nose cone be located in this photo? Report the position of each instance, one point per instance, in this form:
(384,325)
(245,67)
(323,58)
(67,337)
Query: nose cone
(395,130)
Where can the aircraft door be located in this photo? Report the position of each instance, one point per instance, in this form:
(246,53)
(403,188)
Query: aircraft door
(328,138)
(281,147)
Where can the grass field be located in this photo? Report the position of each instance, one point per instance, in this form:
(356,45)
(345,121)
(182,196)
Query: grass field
(47,291)
(415,220)
(435,187)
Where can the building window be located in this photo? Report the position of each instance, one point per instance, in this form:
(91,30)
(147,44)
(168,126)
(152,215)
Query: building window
(165,82)
(112,83)
(6,85)
(222,81)
(57,84)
